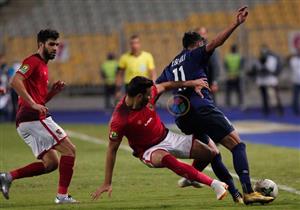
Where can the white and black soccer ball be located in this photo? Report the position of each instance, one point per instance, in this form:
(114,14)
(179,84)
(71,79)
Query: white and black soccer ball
(266,187)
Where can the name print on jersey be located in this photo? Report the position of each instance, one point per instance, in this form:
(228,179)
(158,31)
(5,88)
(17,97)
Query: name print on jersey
(178,61)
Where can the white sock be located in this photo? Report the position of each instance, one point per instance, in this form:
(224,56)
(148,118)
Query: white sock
(62,195)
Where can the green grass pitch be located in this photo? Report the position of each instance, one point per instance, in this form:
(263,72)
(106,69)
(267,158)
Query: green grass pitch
(135,186)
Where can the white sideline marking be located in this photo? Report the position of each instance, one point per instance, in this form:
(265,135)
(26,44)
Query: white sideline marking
(91,139)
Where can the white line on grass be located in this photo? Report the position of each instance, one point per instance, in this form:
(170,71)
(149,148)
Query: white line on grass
(91,139)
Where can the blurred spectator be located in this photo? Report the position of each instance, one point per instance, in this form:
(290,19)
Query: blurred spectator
(214,65)
(294,64)
(233,62)
(2,90)
(4,97)
(108,73)
(13,95)
(267,71)
(136,62)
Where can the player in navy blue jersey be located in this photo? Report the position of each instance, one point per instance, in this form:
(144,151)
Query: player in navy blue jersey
(203,119)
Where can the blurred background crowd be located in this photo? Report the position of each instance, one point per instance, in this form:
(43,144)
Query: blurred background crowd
(259,66)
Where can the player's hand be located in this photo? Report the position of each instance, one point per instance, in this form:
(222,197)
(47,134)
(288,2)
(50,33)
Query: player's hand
(242,15)
(103,188)
(42,109)
(199,84)
(58,86)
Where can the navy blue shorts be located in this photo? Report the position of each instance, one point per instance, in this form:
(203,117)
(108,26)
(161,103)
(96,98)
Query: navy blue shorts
(205,122)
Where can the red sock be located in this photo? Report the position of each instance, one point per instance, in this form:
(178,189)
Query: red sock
(185,170)
(65,173)
(33,169)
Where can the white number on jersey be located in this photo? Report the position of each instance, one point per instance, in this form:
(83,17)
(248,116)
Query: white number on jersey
(176,76)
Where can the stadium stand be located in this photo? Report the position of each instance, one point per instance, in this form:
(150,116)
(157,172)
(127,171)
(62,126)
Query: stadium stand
(92,28)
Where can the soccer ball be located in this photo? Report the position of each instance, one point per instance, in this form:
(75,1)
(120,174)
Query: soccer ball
(266,187)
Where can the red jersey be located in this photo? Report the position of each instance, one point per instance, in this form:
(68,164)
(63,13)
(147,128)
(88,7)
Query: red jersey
(143,128)
(35,71)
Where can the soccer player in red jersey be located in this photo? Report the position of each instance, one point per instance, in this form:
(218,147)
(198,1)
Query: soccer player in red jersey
(156,146)
(34,123)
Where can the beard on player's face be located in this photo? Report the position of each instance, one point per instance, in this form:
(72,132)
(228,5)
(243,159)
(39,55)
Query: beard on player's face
(49,54)
(144,101)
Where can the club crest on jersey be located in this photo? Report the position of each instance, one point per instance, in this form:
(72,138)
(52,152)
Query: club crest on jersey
(150,106)
(113,135)
(178,105)
(24,68)
(58,131)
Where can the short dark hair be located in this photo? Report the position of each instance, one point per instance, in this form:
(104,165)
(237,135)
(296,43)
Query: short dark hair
(190,38)
(138,85)
(46,34)
(134,36)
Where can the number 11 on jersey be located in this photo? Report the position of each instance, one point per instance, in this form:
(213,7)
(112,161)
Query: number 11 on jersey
(176,75)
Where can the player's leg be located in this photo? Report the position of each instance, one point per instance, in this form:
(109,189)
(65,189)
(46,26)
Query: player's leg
(200,163)
(221,131)
(222,172)
(219,128)
(68,152)
(175,145)
(161,158)
(217,164)
(240,162)
(40,141)
(218,167)
(48,164)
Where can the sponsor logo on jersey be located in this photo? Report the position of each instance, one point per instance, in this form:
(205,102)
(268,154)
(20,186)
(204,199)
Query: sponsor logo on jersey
(178,105)
(148,121)
(24,68)
(113,135)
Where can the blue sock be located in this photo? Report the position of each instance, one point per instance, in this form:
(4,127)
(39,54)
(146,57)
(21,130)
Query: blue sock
(241,167)
(223,174)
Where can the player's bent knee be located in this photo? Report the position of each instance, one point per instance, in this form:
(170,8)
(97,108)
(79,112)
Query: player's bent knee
(231,140)
(203,152)
(72,150)
(51,166)
(156,158)
(67,148)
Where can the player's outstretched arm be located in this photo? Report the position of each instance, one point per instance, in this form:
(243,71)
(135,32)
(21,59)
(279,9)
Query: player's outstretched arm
(223,36)
(198,84)
(17,83)
(57,87)
(109,167)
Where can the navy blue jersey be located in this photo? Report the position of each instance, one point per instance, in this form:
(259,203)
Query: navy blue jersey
(189,65)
